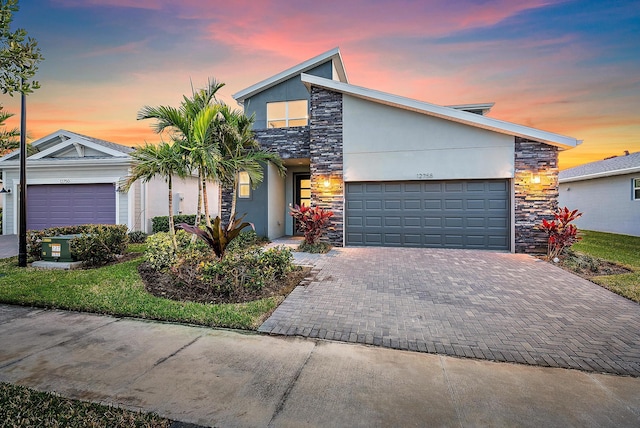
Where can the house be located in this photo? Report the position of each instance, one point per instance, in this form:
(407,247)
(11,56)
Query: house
(75,179)
(396,171)
(607,192)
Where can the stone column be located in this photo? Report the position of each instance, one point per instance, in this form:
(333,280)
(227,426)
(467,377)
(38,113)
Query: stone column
(326,158)
(534,201)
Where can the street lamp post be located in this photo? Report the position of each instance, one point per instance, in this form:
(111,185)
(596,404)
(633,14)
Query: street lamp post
(22,226)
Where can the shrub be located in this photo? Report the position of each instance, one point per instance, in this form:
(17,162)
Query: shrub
(217,236)
(161,255)
(106,240)
(561,233)
(161,223)
(317,248)
(249,269)
(137,237)
(312,222)
(99,244)
(247,239)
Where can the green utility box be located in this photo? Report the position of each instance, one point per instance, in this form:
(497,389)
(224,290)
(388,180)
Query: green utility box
(57,249)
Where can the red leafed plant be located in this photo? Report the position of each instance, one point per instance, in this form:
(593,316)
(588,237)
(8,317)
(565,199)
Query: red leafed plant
(311,221)
(561,233)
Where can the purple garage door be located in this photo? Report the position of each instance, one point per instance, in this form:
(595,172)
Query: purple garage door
(50,205)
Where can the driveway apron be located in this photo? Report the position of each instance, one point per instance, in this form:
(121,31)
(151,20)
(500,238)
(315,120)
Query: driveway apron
(477,304)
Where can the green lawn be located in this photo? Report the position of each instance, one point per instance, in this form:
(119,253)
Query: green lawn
(25,407)
(620,249)
(118,290)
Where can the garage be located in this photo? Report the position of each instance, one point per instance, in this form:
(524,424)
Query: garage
(471,214)
(50,205)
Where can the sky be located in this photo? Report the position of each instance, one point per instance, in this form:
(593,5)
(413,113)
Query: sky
(569,67)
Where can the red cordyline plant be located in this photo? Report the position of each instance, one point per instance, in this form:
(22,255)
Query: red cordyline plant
(561,233)
(311,221)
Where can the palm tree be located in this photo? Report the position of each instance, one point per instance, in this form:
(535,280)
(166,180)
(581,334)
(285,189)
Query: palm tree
(240,151)
(190,126)
(164,160)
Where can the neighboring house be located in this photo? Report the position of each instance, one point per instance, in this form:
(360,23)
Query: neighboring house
(607,192)
(74,179)
(396,171)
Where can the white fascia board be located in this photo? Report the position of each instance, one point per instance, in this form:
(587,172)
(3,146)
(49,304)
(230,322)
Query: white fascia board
(35,144)
(442,112)
(291,72)
(80,141)
(600,175)
(71,163)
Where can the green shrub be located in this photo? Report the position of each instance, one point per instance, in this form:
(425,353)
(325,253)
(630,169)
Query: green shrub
(247,239)
(107,240)
(161,255)
(316,248)
(250,269)
(137,237)
(161,223)
(100,244)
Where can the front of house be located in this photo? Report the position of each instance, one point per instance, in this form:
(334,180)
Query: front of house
(75,179)
(396,171)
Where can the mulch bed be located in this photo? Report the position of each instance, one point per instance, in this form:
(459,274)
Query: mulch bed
(588,267)
(167,286)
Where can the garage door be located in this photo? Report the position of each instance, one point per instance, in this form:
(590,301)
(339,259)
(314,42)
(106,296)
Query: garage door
(436,214)
(52,205)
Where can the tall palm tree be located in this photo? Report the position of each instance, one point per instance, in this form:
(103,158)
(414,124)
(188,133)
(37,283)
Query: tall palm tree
(240,152)
(190,125)
(164,160)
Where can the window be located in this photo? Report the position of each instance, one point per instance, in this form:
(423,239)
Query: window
(636,189)
(287,114)
(244,185)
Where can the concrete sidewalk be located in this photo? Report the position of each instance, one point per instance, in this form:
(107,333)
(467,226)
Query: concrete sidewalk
(228,379)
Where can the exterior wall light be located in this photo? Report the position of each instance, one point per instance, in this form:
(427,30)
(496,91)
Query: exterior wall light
(535,179)
(326,183)
(4,190)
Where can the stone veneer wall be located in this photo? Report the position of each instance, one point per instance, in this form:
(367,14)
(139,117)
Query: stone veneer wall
(326,158)
(533,202)
(226,193)
(289,143)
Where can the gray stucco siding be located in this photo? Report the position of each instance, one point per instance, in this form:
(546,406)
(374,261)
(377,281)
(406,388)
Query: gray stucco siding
(607,204)
(387,143)
(289,90)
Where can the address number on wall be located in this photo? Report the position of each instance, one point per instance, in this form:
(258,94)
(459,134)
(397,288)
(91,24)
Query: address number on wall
(65,181)
(423,175)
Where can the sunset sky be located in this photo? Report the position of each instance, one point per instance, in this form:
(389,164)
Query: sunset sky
(571,67)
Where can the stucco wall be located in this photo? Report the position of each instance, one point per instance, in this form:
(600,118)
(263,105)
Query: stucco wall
(277,205)
(387,143)
(606,203)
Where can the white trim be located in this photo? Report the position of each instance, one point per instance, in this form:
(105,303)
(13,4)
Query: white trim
(75,142)
(72,162)
(333,54)
(442,112)
(82,180)
(131,194)
(512,227)
(623,171)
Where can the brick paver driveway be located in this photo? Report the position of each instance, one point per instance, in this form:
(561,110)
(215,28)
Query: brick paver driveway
(479,304)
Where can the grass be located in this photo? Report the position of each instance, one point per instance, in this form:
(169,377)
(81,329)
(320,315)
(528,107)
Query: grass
(118,290)
(25,407)
(620,249)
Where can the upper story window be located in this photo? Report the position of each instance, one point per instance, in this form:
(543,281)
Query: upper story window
(244,185)
(285,114)
(636,189)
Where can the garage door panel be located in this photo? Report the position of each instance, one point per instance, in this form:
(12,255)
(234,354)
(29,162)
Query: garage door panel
(52,205)
(449,214)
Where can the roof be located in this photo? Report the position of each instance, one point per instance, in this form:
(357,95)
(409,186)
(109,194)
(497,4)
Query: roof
(447,113)
(619,165)
(333,55)
(61,140)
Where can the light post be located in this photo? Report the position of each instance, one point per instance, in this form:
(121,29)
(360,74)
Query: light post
(22,223)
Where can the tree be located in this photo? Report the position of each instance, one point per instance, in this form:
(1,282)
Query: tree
(240,151)
(164,160)
(19,54)
(8,137)
(191,125)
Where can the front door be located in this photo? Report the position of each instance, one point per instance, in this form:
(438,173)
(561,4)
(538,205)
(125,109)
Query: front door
(302,193)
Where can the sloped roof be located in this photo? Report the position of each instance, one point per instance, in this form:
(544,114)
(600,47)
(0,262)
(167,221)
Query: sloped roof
(605,168)
(333,54)
(442,112)
(65,140)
